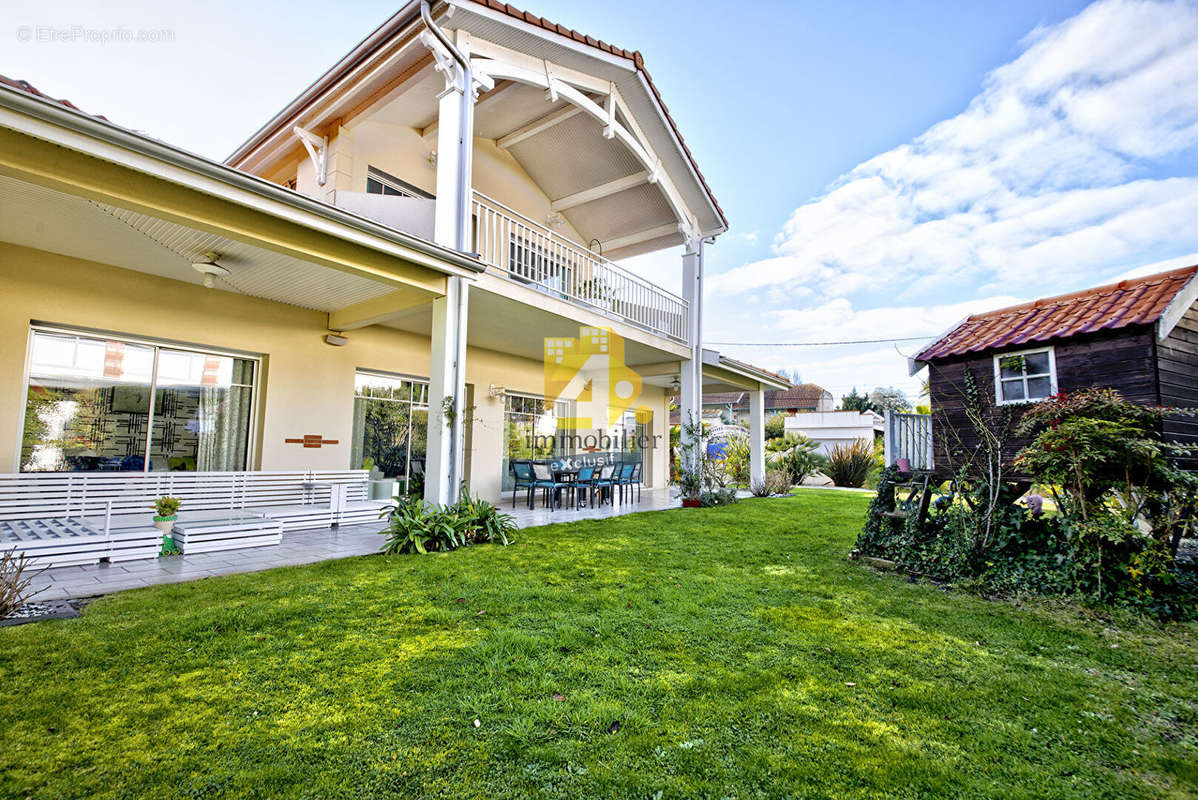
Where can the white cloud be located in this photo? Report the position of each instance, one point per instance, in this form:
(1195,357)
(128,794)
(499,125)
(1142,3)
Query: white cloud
(1073,164)
(1048,180)
(839,368)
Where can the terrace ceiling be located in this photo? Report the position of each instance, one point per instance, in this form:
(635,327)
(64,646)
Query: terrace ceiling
(596,183)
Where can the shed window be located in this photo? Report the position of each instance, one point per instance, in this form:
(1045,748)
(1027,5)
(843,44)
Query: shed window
(1025,377)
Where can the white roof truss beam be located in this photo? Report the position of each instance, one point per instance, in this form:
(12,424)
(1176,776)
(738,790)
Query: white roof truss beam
(539,125)
(619,243)
(536,72)
(599,192)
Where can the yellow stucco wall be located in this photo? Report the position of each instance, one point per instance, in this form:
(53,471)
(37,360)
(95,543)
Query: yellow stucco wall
(400,150)
(306,386)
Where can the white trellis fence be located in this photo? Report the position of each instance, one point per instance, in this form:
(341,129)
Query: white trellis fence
(909,436)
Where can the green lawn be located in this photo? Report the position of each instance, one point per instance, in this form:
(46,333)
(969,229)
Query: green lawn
(729,652)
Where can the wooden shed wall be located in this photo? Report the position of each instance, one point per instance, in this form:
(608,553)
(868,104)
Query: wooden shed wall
(1123,359)
(1177,376)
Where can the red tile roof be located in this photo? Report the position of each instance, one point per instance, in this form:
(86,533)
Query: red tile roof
(29,88)
(803,395)
(1139,301)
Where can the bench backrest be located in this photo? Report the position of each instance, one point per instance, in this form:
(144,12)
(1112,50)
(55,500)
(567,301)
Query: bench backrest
(65,494)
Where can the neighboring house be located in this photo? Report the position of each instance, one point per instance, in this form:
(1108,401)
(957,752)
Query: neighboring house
(798,399)
(352,287)
(1139,336)
(831,428)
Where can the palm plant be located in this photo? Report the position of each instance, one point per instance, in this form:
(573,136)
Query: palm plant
(851,464)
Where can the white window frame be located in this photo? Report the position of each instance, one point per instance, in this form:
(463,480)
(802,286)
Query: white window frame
(251,446)
(402,187)
(1051,375)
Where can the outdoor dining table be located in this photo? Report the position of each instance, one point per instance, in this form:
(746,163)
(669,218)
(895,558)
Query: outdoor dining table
(564,475)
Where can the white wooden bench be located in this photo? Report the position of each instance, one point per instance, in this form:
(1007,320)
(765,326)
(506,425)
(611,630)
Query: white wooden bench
(68,542)
(208,531)
(73,518)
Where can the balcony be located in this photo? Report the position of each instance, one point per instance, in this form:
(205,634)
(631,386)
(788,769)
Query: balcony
(524,252)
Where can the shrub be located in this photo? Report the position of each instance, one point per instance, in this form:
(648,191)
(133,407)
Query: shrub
(776,481)
(851,464)
(718,497)
(415,526)
(775,426)
(734,461)
(1122,506)
(1098,451)
(801,460)
(14,585)
(484,521)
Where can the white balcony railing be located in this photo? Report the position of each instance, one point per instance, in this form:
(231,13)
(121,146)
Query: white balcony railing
(523,251)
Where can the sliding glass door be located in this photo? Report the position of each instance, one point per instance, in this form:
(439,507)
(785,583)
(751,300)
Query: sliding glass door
(391,428)
(109,404)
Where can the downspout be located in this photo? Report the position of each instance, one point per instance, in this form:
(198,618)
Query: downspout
(697,345)
(462,242)
(699,312)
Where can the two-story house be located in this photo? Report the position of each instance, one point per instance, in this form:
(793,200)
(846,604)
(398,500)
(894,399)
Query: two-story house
(377,278)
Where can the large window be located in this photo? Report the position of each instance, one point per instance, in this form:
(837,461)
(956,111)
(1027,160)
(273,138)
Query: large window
(533,430)
(391,427)
(1025,377)
(104,403)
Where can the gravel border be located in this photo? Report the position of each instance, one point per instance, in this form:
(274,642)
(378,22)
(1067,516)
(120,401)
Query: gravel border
(39,612)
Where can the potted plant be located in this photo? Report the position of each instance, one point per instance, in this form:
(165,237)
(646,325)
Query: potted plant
(693,467)
(166,512)
(690,485)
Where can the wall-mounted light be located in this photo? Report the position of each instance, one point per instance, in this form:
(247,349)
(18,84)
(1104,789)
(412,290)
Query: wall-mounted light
(555,220)
(210,269)
(431,159)
(675,387)
(497,391)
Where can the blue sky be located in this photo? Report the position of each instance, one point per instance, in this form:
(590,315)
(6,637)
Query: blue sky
(887,168)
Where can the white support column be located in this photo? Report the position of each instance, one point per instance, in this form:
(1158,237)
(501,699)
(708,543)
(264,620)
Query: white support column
(756,436)
(444,467)
(690,401)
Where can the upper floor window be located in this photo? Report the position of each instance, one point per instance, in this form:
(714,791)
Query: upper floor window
(379,182)
(1025,376)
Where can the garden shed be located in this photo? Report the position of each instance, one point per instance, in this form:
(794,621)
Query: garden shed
(1138,336)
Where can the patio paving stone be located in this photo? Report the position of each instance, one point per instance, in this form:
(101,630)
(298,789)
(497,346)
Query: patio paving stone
(300,547)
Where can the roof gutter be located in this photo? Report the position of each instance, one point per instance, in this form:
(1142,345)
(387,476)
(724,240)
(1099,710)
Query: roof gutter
(344,65)
(49,111)
(717,359)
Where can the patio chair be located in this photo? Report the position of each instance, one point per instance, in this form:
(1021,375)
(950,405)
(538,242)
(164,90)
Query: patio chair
(629,478)
(544,480)
(524,480)
(605,482)
(623,478)
(584,480)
